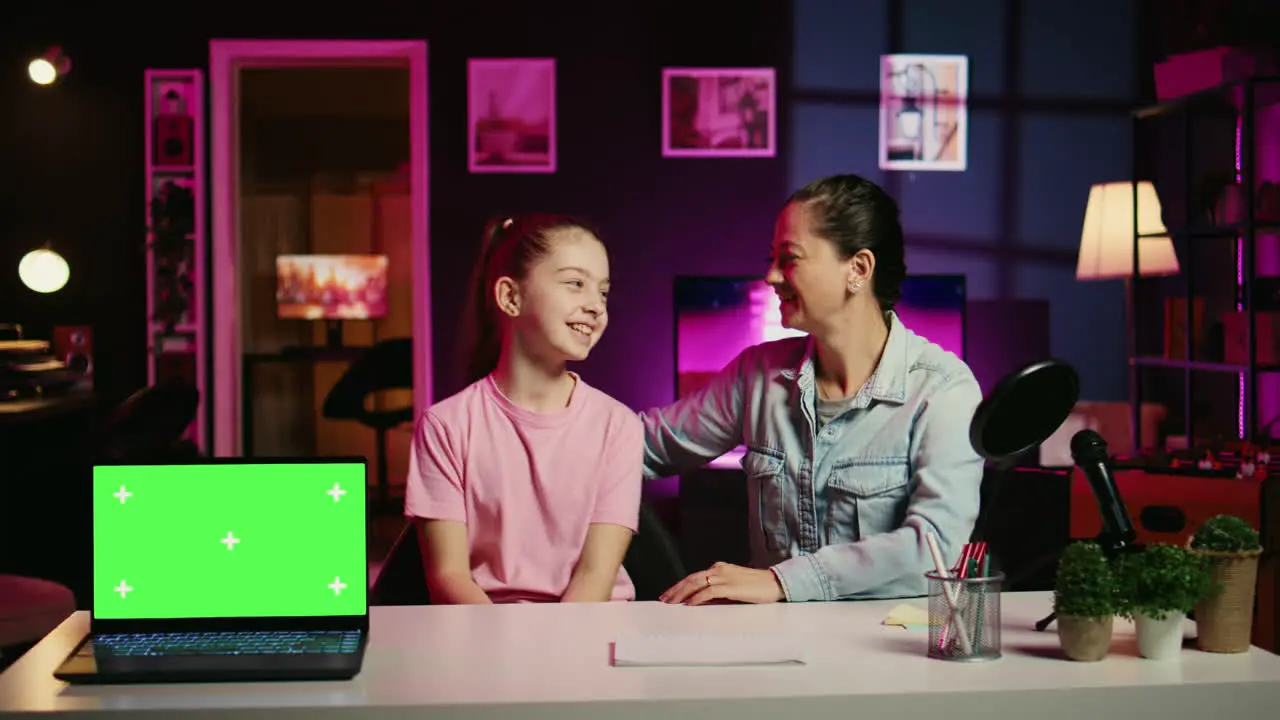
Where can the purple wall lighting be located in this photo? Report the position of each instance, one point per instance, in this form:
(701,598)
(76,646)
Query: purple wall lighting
(719,317)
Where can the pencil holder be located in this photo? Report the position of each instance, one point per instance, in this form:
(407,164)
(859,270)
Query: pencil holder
(964,617)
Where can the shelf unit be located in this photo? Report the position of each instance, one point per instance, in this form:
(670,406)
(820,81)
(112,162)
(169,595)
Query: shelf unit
(1244,93)
(177,315)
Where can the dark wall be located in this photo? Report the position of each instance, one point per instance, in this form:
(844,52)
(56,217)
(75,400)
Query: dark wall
(72,155)
(1051,86)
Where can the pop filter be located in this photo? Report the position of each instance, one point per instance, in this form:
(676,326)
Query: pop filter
(1024,410)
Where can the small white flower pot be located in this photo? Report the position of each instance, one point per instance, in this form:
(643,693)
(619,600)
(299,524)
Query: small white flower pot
(1160,639)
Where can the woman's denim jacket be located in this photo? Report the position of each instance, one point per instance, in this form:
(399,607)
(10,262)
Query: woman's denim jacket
(841,513)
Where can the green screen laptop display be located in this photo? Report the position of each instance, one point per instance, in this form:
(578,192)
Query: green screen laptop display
(229,540)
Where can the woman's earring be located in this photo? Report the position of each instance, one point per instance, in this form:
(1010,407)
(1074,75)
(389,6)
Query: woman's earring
(855,286)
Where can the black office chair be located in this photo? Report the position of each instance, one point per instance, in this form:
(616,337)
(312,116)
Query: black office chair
(652,561)
(386,366)
(402,579)
(1026,524)
(149,425)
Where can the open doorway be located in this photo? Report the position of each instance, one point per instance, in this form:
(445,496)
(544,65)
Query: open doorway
(320,247)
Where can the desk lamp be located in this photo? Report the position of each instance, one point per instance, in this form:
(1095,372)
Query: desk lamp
(1107,238)
(1107,250)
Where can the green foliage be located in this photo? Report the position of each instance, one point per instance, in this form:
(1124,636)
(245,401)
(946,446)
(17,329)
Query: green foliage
(1086,586)
(1162,579)
(1226,533)
(173,224)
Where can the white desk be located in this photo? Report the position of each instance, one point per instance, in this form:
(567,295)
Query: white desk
(551,661)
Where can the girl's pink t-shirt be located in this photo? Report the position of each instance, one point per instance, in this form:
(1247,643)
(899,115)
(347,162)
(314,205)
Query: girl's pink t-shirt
(527,484)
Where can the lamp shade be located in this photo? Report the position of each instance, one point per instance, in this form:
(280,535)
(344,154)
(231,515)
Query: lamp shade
(1106,243)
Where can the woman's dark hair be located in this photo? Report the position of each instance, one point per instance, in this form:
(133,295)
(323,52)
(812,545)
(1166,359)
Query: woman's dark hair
(511,246)
(854,214)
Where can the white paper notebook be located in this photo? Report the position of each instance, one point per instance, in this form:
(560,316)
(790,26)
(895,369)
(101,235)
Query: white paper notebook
(691,650)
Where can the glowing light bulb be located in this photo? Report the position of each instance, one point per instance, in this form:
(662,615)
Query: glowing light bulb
(42,72)
(44,271)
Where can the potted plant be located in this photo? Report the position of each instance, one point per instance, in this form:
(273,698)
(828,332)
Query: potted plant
(172,240)
(1084,600)
(1158,586)
(1224,620)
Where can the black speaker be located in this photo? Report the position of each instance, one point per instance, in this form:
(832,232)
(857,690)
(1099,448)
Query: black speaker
(173,132)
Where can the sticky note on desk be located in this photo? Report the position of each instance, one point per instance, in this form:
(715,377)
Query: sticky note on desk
(906,616)
(697,650)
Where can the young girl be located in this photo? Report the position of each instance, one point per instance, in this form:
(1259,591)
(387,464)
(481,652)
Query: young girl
(526,484)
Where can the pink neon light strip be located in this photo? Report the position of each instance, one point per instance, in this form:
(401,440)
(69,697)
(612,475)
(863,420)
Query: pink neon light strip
(1240,283)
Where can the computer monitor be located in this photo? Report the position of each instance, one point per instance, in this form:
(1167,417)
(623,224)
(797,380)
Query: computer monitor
(331,287)
(719,317)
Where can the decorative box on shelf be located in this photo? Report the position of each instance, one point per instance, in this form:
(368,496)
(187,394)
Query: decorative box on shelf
(176,366)
(1175,328)
(1267,330)
(1186,73)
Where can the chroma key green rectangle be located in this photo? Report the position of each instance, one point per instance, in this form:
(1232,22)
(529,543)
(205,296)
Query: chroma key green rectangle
(229,540)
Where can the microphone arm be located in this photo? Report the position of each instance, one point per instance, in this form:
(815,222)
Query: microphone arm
(1089,452)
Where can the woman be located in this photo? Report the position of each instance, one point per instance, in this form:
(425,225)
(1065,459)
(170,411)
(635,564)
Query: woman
(857,435)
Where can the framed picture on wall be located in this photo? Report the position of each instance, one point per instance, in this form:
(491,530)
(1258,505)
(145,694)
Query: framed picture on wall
(924,117)
(719,112)
(511,111)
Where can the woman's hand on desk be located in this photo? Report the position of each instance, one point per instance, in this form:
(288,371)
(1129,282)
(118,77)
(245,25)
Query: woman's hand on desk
(726,582)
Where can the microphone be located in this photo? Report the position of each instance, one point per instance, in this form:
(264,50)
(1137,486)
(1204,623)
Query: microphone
(1089,452)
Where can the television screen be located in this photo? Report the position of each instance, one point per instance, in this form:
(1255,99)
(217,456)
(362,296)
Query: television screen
(719,317)
(331,287)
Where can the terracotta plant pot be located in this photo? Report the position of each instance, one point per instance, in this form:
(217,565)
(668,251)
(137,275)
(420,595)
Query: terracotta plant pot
(1085,639)
(1224,622)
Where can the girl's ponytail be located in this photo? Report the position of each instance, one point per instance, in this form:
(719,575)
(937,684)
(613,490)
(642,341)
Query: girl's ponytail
(483,344)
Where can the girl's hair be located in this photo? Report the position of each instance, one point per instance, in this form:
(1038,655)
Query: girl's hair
(511,246)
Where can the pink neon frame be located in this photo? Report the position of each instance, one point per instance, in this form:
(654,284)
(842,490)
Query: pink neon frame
(768,73)
(474,113)
(1241,388)
(226,58)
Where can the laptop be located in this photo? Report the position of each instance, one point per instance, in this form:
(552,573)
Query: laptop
(226,570)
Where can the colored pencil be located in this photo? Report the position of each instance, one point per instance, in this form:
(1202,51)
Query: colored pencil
(982,602)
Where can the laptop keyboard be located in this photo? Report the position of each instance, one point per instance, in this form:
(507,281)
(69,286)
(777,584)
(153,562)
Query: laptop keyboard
(228,643)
